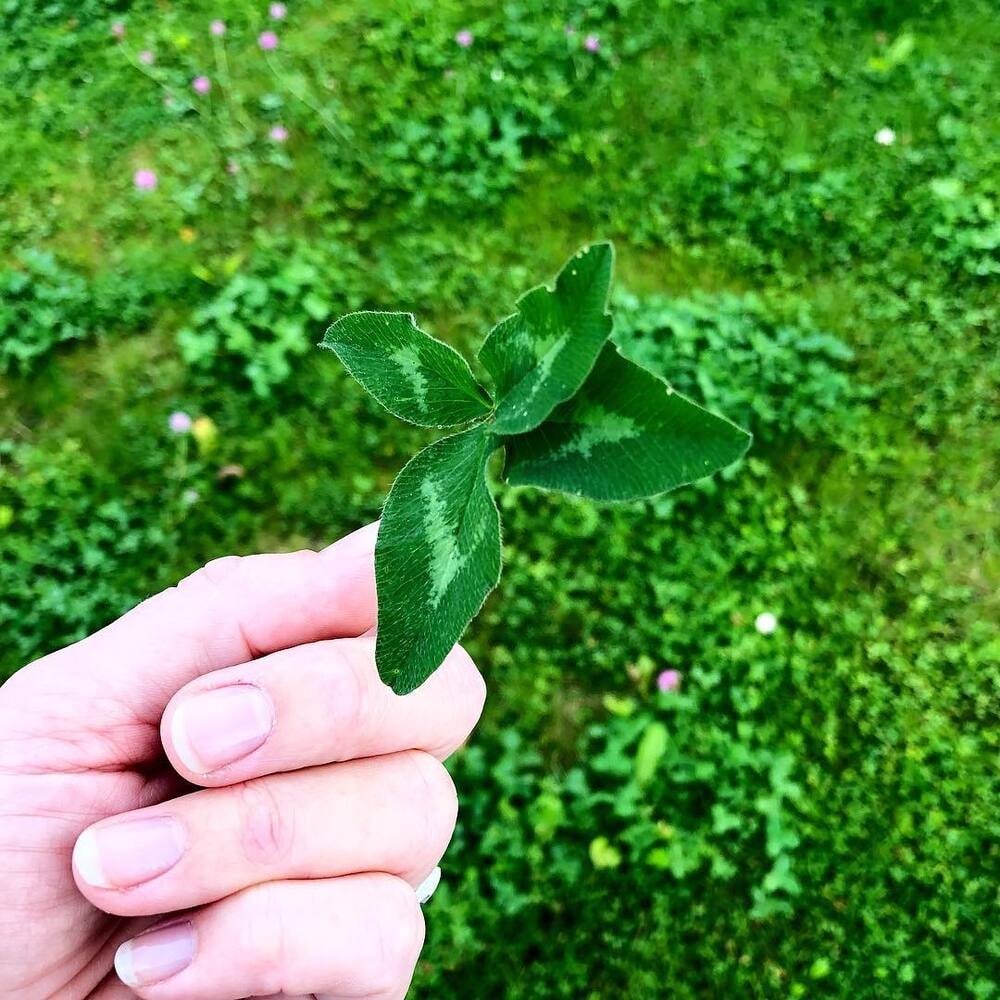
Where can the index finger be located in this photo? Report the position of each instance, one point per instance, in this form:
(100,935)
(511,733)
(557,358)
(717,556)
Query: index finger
(318,703)
(228,612)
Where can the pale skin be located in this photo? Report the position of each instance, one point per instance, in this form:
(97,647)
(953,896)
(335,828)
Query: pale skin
(218,789)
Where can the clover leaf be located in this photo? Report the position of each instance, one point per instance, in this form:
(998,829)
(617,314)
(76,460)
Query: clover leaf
(414,376)
(437,555)
(624,436)
(570,413)
(540,356)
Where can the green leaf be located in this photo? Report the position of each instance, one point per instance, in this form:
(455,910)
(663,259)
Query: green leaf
(603,854)
(542,354)
(652,747)
(411,374)
(627,434)
(437,556)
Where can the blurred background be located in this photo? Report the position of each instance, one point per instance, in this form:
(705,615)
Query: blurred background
(741,740)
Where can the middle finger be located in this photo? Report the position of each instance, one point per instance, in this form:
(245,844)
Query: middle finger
(394,814)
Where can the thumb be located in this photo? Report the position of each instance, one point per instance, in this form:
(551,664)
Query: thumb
(116,683)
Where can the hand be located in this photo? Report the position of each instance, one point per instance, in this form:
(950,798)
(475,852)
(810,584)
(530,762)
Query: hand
(323,804)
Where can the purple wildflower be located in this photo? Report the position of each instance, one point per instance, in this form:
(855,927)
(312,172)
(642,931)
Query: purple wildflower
(464,38)
(277,11)
(278,133)
(145,180)
(669,680)
(268,41)
(180,422)
(201,84)
(146,57)
(217,28)
(592,43)
(118,29)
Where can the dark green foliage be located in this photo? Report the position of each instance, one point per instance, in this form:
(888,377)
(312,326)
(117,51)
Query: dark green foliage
(65,536)
(41,305)
(778,378)
(821,818)
(263,318)
(44,304)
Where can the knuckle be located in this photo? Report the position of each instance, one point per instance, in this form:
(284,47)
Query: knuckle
(266,831)
(213,573)
(356,702)
(399,936)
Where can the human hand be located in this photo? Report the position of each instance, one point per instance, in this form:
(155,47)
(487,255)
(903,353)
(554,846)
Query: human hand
(292,870)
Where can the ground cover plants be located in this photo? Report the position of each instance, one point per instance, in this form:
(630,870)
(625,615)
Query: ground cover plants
(741,737)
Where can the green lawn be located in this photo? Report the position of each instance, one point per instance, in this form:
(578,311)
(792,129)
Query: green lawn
(821,816)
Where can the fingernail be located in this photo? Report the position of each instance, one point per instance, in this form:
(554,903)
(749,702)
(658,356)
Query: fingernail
(221,726)
(156,955)
(128,853)
(426,888)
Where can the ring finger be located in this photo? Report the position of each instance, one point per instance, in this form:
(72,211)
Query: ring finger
(357,936)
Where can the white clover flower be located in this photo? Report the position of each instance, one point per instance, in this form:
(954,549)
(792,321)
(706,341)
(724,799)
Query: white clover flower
(885,136)
(765,623)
